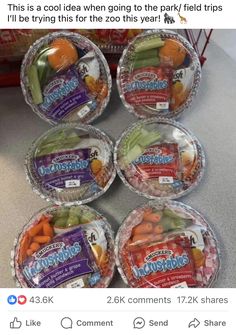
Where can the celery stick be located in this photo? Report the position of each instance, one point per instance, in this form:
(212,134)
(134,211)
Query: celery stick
(144,132)
(153,43)
(133,154)
(34,85)
(44,69)
(134,140)
(155,61)
(131,140)
(152,53)
(149,139)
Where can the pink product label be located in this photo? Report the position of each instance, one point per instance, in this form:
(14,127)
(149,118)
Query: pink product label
(161,160)
(148,86)
(64,93)
(163,264)
(68,256)
(56,170)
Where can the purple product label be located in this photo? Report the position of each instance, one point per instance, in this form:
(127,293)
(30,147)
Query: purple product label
(68,256)
(56,170)
(64,93)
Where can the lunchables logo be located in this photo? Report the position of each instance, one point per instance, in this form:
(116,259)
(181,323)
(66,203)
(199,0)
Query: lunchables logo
(146,81)
(50,247)
(58,257)
(57,166)
(57,90)
(160,265)
(145,75)
(70,157)
(158,253)
(154,156)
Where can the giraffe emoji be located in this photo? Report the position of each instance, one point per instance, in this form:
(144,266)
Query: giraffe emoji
(182,19)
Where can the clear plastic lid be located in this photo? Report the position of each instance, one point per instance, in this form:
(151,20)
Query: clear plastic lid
(166,245)
(158,74)
(70,247)
(159,158)
(71,164)
(65,78)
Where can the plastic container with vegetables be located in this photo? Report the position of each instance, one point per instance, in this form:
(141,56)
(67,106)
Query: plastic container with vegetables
(158,74)
(71,163)
(64,247)
(65,77)
(159,158)
(167,244)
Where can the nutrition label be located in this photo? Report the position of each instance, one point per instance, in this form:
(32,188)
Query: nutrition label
(118,310)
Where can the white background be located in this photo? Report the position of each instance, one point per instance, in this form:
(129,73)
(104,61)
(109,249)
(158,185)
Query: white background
(92,305)
(195,19)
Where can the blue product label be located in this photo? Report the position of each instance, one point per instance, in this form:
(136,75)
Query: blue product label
(63,94)
(59,169)
(68,256)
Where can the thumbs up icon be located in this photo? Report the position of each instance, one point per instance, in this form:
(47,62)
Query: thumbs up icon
(15,324)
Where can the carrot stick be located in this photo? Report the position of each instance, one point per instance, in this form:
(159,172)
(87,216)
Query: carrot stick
(142,238)
(29,252)
(147,211)
(152,217)
(47,229)
(42,239)
(24,247)
(35,246)
(158,229)
(36,229)
(143,228)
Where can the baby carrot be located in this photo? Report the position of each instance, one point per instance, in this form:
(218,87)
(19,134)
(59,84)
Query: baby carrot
(24,247)
(142,238)
(47,229)
(36,229)
(152,217)
(147,211)
(29,252)
(143,228)
(158,229)
(34,246)
(42,239)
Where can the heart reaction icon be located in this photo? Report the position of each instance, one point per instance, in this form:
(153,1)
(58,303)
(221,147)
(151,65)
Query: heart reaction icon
(22,299)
